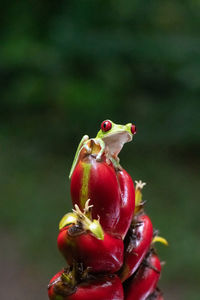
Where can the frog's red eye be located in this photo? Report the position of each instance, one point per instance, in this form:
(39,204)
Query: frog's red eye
(133,129)
(106,125)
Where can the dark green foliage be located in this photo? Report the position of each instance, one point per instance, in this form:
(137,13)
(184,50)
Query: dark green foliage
(67,65)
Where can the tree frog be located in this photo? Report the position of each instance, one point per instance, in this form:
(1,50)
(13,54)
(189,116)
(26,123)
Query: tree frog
(111,138)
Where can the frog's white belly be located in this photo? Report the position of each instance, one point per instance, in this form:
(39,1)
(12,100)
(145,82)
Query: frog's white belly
(115,142)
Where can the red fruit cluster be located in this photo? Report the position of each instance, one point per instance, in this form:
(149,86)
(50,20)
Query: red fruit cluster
(108,240)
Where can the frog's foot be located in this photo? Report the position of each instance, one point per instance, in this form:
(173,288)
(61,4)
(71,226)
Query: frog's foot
(115,161)
(102,145)
(87,148)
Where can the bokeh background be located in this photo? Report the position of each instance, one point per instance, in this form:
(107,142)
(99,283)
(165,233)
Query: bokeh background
(65,66)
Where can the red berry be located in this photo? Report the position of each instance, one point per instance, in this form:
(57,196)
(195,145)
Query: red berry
(137,244)
(144,281)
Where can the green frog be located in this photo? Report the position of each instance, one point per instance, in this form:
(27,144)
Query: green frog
(111,138)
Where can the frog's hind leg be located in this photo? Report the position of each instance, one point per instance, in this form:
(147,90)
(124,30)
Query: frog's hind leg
(76,157)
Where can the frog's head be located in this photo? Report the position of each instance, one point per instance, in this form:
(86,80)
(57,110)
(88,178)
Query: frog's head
(115,135)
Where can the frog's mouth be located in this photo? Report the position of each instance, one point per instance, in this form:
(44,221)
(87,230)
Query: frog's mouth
(115,142)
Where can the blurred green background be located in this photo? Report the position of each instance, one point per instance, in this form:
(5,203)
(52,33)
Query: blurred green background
(66,66)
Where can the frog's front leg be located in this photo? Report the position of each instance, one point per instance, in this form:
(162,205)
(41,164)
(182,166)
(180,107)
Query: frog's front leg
(102,145)
(116,162)
(87,148)
(114,159)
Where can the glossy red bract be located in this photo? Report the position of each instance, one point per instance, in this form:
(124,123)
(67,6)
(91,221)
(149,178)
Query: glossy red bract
(143,283)
(127,205)
(137,244)
(99,255)
(110,192)
(103,287)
